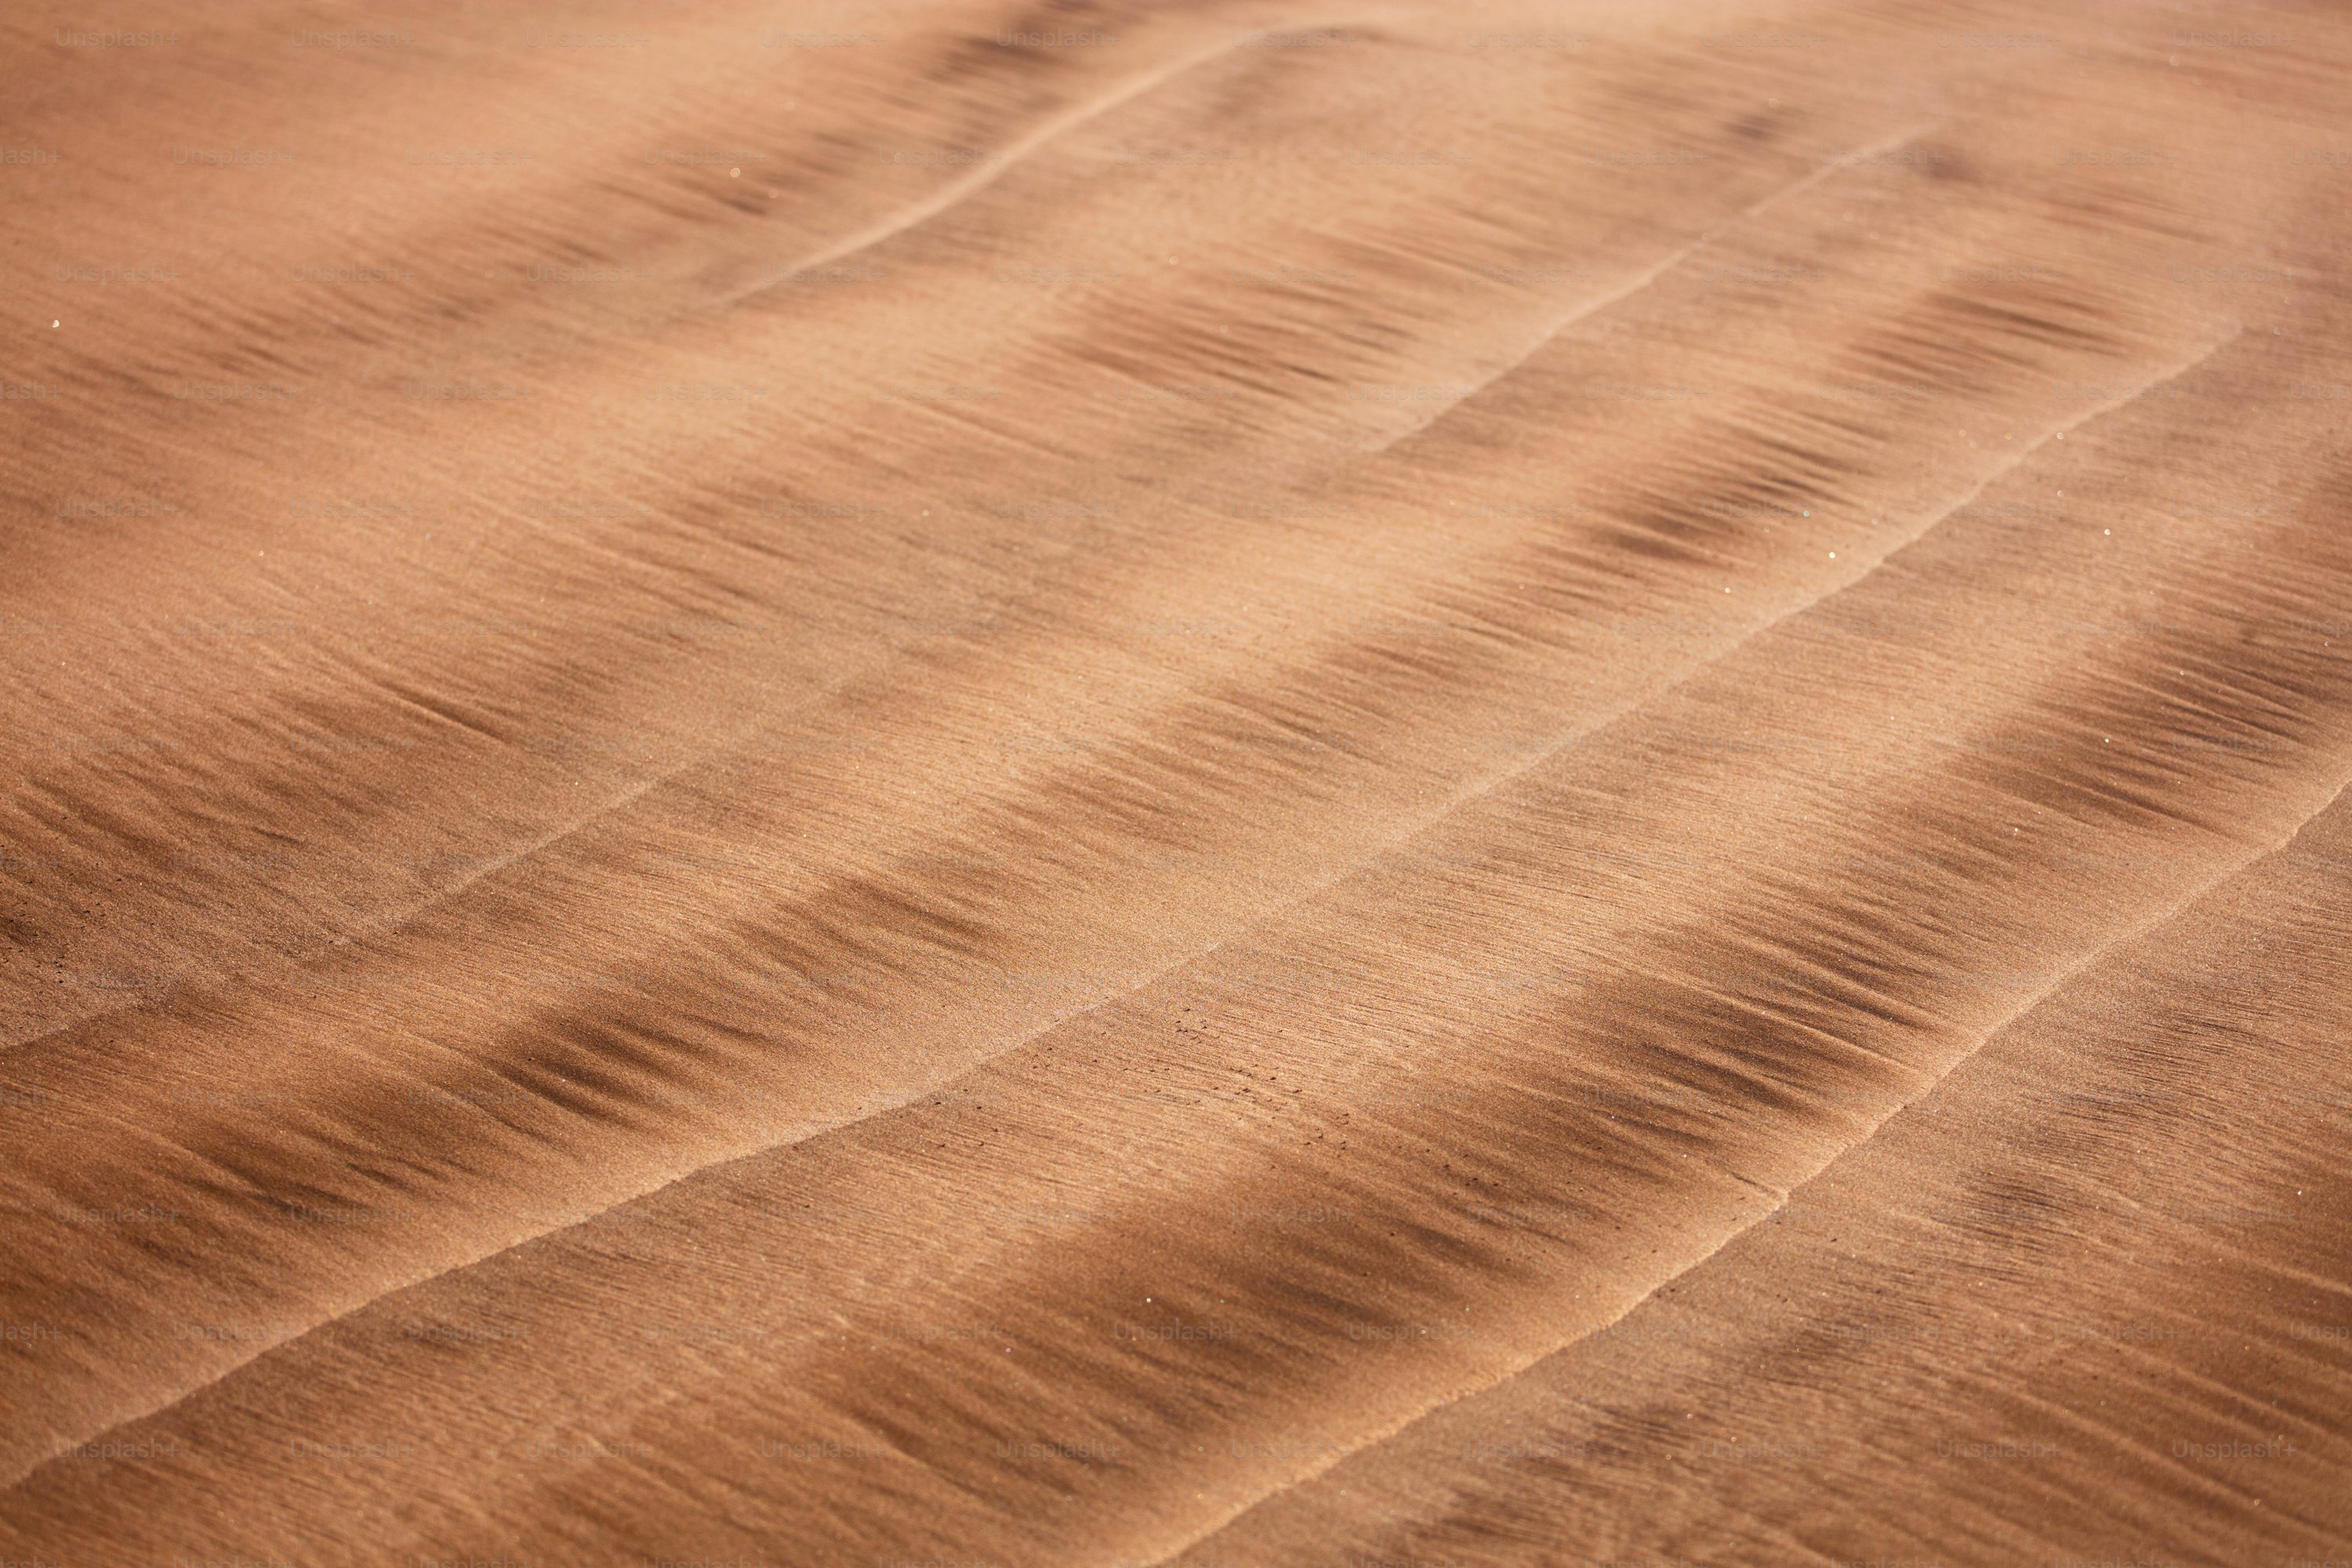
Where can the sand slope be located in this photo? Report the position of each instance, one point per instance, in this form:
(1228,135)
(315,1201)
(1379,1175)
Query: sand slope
(1198,784)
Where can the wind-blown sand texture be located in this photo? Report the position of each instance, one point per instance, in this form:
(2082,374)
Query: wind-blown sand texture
(1208,783)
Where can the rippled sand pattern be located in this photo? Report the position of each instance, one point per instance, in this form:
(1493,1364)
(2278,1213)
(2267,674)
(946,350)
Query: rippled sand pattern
(1395,786)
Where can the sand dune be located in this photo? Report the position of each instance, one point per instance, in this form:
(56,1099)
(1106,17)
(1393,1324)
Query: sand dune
(1177,785)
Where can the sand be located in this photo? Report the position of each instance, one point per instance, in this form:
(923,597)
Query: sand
(1178,785)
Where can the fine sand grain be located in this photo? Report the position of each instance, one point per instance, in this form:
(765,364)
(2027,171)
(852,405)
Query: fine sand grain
(1191,784)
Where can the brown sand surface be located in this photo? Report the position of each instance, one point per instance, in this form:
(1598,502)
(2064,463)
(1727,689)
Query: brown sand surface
(1199,784)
